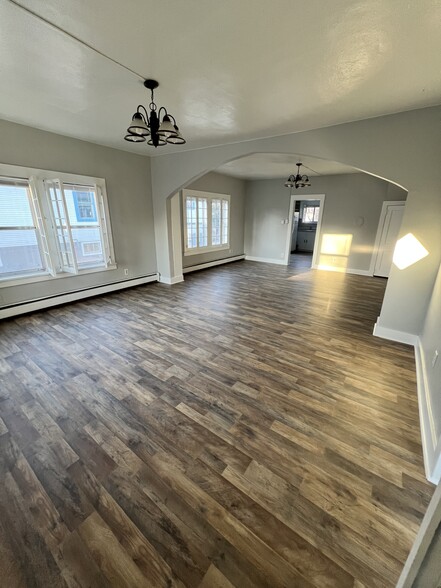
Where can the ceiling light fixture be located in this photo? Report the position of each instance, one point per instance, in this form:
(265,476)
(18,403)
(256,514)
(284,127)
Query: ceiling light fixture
(298,180)
(145,125)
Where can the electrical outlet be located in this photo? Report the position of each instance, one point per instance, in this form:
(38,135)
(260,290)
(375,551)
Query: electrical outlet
(435,358)
(126,271)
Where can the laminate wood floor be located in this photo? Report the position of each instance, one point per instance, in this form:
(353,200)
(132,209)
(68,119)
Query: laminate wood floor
(243,428)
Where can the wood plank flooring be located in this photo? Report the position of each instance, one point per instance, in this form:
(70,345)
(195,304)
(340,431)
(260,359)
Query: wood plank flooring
(241,429)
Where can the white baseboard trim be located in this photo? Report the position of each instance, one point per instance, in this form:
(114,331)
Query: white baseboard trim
(200,266)
(265,260)
(72,296)
(359,272)
(431,445)
(393,335)
(171,281)
(342,270)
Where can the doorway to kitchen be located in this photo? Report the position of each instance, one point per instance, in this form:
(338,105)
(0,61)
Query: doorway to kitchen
(303,238)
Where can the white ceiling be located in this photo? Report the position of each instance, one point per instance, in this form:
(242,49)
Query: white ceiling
(260,166)
(228,70)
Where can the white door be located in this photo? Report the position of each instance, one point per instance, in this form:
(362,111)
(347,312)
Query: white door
(390,223)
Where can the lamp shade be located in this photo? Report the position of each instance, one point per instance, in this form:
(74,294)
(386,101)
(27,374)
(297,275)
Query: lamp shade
(134,138)
(138,126)
(178,139)
(166,128)
(161,142)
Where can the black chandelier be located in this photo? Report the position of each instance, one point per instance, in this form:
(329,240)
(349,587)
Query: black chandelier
(298,180)
(144,125)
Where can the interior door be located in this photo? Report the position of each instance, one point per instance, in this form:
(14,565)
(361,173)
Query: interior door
(389,235)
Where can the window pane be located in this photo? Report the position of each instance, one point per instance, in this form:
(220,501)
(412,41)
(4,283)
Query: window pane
(225,215)
(203,222)
(81,205)
(19,251)
(19,247)
(87,245)
(15,210)
(84,222)
(191,216)
(216,222)
(316,214)
(308,214)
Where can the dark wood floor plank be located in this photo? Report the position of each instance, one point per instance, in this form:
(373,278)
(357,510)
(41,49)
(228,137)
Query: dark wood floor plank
(114,562)
(242,429)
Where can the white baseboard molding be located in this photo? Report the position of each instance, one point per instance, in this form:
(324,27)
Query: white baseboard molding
(393,335)
(42,303)
(200,266)
(431,445)
(265,260)
(171,281)
(342,270)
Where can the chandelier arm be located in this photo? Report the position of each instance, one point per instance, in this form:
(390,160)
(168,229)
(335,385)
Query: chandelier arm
(165,110)
(171,116)
(145,116)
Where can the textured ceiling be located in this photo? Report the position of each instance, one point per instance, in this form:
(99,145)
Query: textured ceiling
(228,70)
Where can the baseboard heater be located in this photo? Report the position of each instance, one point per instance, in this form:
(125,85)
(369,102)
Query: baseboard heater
(200,266)
(48,301)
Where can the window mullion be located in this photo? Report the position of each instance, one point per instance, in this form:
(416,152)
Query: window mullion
(209,221)
(102,225)
(197,222)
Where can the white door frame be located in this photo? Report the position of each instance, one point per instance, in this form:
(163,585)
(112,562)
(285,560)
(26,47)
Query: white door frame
(376,249)
(294,198)
(423,541)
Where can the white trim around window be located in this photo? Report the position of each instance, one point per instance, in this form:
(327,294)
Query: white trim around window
(206,221)
(54,201)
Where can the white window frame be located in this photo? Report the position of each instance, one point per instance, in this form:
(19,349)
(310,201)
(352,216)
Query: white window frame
(45,221)
(209,196)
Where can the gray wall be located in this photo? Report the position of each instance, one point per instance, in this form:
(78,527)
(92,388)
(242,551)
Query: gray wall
(430,340)
(347,198)
(128,183)
(221,184)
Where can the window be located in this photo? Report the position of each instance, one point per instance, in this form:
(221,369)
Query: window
(311,214)
(206,221)
(19,239)
(53,227)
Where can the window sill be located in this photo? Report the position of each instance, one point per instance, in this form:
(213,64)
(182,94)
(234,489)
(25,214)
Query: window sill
(46,277)
(201,250)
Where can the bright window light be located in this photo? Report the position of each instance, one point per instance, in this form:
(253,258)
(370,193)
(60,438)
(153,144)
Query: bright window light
(408,250)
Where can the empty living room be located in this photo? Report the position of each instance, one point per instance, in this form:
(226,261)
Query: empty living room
(220,294)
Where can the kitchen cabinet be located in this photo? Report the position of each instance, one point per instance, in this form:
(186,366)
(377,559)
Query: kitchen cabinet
(305,240)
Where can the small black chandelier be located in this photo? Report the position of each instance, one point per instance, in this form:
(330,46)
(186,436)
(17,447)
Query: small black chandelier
(144,125)
(298,180)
